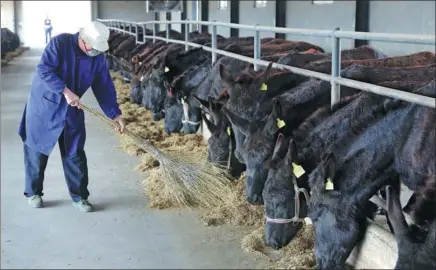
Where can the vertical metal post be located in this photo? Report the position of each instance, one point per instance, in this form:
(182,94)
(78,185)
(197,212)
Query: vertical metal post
(336,68)
(144,30)
(256,46)
(186,36)
(214,42)
(137,33)
(154,32)
(168,32)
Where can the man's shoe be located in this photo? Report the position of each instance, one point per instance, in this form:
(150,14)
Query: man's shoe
(83,205)
(35,201)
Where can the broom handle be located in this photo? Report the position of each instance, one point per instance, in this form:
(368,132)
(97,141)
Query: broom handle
(141,142)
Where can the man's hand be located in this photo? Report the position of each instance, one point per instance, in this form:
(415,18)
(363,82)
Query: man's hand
(119,124)
(71,97)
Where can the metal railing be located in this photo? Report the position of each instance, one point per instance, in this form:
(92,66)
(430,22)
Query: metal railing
(336,34)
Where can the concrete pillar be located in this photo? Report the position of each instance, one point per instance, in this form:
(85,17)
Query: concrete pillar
(94,10)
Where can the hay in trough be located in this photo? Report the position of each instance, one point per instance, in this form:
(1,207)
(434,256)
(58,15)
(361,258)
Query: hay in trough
(236,210)
(176,167)
(298,254)
(4,62)
(123,90)
(254,242)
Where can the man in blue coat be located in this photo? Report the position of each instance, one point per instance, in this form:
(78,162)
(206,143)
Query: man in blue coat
(70,64)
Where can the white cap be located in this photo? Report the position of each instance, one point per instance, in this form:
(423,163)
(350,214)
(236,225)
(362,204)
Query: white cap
(96,35)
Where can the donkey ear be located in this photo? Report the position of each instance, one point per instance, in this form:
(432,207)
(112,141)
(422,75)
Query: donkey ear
(277,109)
(211,104)
(273,162)
(223,96)
(157,61)
(210,126)
(250,67)
(270,164)
(395,213)
(204,105)
(267,72)
(292,151)
(329,165)
(239,122)
(273,122)
(225,76)
(278,146)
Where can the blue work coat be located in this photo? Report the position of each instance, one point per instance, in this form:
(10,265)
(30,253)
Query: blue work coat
(47,113)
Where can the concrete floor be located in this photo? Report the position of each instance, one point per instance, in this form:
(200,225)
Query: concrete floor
(122,233)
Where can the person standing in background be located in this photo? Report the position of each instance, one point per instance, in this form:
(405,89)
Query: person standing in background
(48,28)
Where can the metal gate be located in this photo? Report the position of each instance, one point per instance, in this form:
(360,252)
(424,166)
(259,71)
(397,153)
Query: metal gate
(336,35)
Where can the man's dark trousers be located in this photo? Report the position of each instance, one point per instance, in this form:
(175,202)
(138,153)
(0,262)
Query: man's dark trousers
(75,171)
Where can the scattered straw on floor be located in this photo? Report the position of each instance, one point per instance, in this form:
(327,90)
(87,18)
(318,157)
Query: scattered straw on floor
(188,153)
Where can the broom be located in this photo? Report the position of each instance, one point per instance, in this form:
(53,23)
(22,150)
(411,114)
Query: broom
(189,184)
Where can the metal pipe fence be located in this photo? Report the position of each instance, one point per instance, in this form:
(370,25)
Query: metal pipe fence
(336,35)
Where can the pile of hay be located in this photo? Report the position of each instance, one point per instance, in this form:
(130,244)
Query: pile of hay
(298,254)
(236,211)
(200,188)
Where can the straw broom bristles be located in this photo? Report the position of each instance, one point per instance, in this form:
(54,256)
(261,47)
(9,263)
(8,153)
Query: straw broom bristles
(188,183)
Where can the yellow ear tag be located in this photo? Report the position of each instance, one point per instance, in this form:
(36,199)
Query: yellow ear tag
(149,76)
(183,101)
(298,170)
(142,78)
(229,131)
(329,184)
(280,123)
(201,106)
(166,69)
(263,87)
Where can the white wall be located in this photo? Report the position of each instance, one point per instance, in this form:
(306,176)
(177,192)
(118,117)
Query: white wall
(124,10)
(7,15)
(222,15)
(192,15)
(304,14)
(404,17)
(176,16)
(66,17)
(250,15)
(162,18)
